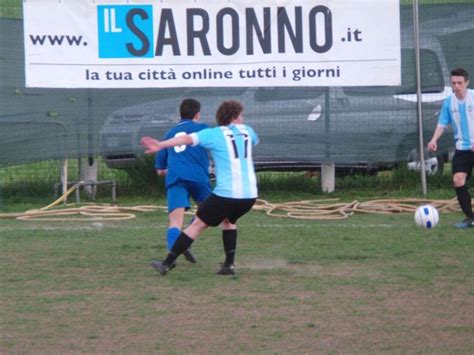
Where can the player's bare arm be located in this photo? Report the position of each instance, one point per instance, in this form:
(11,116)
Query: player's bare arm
(433,143)
(153,145)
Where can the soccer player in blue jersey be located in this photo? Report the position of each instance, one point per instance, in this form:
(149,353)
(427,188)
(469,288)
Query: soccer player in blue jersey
(230,145)
(187,172)
(458,111)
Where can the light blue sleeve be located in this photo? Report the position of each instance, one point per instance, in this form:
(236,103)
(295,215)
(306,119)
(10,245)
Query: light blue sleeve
(205,137)
(445,113)
(253,136)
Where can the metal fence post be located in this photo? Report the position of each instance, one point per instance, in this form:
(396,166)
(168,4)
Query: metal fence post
(416,29)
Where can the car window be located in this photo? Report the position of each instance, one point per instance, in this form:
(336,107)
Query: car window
(288,93)
(431,76)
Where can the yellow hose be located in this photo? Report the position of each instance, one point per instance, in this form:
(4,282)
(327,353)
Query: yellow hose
(324,209)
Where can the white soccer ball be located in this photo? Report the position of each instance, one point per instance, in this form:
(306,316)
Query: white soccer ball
(426,216)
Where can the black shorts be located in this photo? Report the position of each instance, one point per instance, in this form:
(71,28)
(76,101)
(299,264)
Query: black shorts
(463,161)
(216,209)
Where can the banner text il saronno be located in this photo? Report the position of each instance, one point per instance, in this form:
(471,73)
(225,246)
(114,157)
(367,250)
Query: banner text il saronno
(119,44)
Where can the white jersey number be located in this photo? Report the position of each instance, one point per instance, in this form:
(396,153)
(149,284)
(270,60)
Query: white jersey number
(180,148)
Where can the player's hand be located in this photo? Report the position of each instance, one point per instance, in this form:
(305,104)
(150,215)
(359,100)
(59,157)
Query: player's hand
(432,146)
(151,145)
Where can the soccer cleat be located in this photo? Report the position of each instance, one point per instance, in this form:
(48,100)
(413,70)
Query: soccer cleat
(226,270)
(162,267)
(467,223)
(189,256)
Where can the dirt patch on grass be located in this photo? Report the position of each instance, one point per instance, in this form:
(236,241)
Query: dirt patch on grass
(265,264)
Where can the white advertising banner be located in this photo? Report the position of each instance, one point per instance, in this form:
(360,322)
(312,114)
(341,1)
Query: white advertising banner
(211,43)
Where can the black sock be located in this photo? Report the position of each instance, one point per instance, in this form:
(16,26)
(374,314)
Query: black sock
(182,243)
(229,238)
(464,199)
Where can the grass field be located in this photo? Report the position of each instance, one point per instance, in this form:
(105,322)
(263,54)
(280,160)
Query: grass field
(367,284)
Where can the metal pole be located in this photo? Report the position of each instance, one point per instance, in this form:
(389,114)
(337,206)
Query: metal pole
(63,172)
(328,168)
(416,29)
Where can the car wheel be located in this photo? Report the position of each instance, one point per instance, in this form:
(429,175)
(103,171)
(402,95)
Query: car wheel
(432,163)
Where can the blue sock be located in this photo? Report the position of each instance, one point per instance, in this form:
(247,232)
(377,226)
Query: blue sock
(171,235)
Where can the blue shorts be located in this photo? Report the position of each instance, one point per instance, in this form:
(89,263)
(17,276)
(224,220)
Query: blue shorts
(178,194)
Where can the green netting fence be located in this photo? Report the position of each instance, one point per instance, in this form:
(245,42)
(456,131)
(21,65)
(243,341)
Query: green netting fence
(300,127)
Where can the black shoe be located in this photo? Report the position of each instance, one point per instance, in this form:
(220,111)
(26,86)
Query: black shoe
(226,270)
(162,267)
(467,223)
(189,256)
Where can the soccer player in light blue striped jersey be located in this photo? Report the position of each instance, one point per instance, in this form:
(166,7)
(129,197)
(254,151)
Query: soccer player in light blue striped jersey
(230,145)
(458,111)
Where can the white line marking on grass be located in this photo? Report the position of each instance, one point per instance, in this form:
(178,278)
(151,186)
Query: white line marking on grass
(264,264)
(81,227)
(336,225)
(109,226)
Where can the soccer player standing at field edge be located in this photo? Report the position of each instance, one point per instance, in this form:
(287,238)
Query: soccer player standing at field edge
(457,111)
(186,169)
(230,145)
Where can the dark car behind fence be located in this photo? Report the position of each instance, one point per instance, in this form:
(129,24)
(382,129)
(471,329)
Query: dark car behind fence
(355,128)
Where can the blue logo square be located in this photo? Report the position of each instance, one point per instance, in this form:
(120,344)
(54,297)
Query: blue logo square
(125,31)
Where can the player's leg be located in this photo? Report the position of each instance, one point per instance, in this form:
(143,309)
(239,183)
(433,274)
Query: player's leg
(229,240)
(186,238)
(235,208)
(176,219)
(199,191)
(178,202)
(209,213)
(183,243)
(461,169)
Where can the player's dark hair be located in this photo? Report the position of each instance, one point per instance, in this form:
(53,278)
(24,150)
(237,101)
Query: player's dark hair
(460,72)
(189,108)
(228,111)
